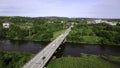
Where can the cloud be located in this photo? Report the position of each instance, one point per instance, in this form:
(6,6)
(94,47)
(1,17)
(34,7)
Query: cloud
(107,8)
(69,8)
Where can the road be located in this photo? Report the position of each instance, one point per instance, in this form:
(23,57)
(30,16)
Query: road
(46,53)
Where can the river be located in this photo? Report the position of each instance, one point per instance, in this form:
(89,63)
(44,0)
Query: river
(69,49)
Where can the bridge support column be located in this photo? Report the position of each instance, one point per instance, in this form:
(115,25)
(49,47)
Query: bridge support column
(59,52)
(64,41)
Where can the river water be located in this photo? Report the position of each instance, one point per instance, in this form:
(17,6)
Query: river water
(76,49)
(69,49)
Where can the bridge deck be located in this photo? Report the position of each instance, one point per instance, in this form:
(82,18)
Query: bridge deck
(44,55)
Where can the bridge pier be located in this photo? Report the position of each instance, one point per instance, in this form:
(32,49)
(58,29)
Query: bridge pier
(59,51)
(64,41)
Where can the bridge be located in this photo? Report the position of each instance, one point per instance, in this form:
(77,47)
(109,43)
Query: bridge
(46,53)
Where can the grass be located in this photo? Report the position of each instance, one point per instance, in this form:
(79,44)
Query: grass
(57,33)
(85,40)
(90,39)
(114,58)
(85,61)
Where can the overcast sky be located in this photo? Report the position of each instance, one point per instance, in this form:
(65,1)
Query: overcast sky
(66,8)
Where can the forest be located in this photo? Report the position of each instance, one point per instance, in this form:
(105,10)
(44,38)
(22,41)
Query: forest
(101,33)
(48,28)
(33,29)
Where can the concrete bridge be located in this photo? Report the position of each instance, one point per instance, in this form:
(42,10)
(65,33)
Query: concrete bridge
(44,55)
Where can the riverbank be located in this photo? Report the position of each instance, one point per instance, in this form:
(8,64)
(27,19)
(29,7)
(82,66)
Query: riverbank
(71,42)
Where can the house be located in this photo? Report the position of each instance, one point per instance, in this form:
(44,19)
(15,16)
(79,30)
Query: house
(6,25)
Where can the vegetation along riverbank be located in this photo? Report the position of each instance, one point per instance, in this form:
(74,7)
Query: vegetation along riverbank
(48,28)
(85,61)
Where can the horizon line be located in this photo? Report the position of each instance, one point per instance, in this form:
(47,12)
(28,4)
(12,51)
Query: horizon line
(63,17)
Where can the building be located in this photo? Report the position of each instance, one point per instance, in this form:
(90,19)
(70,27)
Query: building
(6,25)
(101,21)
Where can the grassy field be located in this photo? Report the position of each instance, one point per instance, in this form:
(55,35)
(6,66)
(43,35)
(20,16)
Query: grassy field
(57,33)
(85,61)
(112,58)
(85,39)
(90,39)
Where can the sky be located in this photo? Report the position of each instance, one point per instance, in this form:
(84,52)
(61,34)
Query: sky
(62,8)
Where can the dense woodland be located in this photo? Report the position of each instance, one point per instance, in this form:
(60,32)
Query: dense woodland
(48,28)
(34,29)
(100,33)
(13,59)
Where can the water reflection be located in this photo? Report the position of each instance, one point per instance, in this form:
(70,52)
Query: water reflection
(60,51)
(66,49)
(21,46)
(76,49)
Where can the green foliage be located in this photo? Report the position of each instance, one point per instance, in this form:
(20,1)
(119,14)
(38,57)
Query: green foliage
(91,61)
(13,59)
(47,28)
(100,33)
(114,58)
(34,29)
(57,33)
